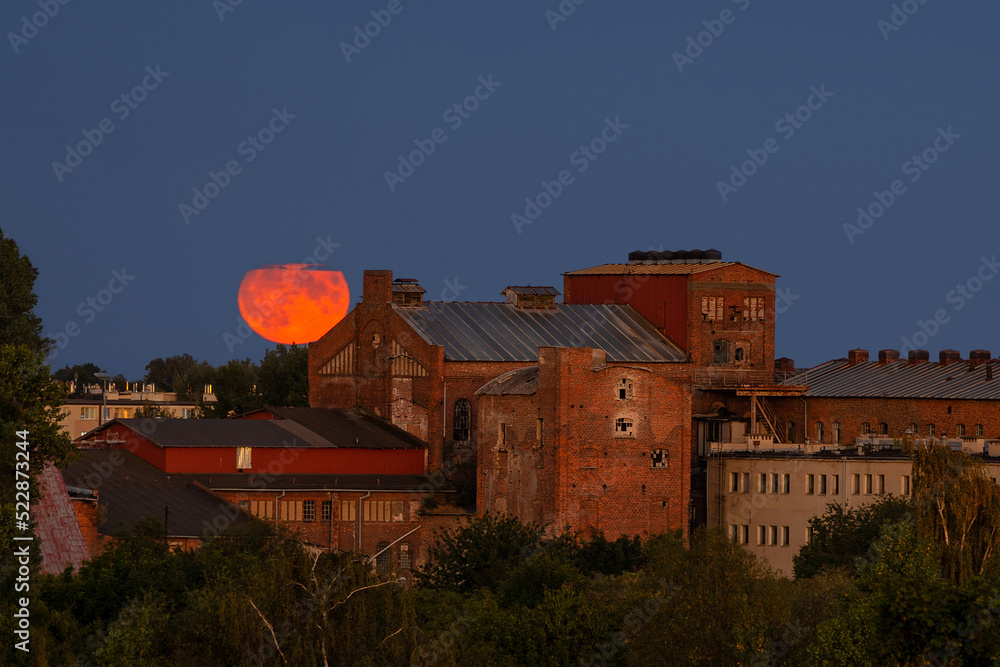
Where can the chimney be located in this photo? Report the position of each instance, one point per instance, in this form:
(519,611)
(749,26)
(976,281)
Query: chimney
(784,365)
(887,356)
(946,357)
(377,288)
(857,356)
(979,357)
(919,357)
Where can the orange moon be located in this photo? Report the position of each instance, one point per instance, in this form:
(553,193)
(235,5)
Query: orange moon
(293,303)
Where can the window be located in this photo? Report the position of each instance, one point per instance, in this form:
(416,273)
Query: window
(309,510)
(836,484)
(762,483)
(904,485)
(774,536)
(835,433)
(734,482)
(404,556)
(774,482)
(786,483)
(460,423)
(623,428)
(790,432)
(382,558)
(720,351)
(784,536)
(961,430)
(855,483)
(931,430)
(881,484)
(819,432)
(746,482)
(914,430)
(659,458)
(810,484)
(979,430)
(753,308)
(734,532)
(245,505)
(538,430)
(809,534)
(822,485)
(348,510)
(738,355)
(326,510)
(866,428)
(745,534)
(624,389)
(243,458)
(88,413)
(502,436)
(711,308)
(868,485)
(883,428)
(761,535)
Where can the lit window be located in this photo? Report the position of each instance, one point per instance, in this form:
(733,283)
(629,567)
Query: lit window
(623,427)
(243,458)
(309,510)
(88,413)
(625,389)
(460,430)
(659,458)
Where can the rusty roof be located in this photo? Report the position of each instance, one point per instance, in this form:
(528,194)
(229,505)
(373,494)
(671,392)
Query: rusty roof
(56,527)
(900,379)
(520,382)
(528,289)
(663,269)
(503,332)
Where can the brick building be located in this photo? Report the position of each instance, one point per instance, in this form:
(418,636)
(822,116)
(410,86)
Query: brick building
(581,443)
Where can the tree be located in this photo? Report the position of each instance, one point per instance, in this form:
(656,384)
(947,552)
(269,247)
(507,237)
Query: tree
(119,382)
(182,374)
(235,390)
(80,375)
(283,378)
(840,535)
(153,411)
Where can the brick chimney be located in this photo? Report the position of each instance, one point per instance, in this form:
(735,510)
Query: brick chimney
(377,287)
(979,357)
(946,357)
(919,357)
(784,365)
(887,356)
(857,356)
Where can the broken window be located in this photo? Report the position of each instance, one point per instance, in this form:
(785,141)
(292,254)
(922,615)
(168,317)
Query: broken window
(243,458)
(720,351)
(460,424)
(753,308)
(738,356)
(624,389)
(711,308)
(623,427)
(659,457)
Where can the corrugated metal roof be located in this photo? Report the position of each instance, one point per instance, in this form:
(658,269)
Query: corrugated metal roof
(528,289)
(408,287)
(504,332)
(520,382)
(224,433)
(900,379)
(56,526)
(346,427)
(673,269)
(135,489)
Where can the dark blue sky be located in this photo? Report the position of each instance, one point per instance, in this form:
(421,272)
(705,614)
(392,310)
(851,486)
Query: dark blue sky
(656,186)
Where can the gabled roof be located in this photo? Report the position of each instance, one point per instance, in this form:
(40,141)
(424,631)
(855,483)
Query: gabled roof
(663,269)
(56,527)
(900,379)
(530,289)
(519,382)
(503,332)
(134,489)
(345,427)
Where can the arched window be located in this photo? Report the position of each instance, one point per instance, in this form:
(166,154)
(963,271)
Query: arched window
(720,350)
(883,428)
(383,559)
(460,423)
(819,432)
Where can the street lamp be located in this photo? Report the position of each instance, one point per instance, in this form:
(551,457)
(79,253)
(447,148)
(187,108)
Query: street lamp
(104,395)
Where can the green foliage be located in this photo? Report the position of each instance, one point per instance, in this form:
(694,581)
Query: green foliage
(235,390)
(283,377)
(81,375)
(153,411)
(842,535)
(182,374)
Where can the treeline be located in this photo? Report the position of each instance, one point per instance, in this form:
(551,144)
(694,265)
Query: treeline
(902,582)
(281,379)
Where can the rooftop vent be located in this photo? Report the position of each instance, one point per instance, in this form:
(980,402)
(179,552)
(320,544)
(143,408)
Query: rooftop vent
(531,297)
(857,356)
(979,357)
(946,357)
(919,357)
(675,257)
(887,356)
(407,292)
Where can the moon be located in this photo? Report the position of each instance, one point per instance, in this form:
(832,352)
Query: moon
(293,303)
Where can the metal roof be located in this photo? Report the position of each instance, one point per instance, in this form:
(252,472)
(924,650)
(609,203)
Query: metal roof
(408,287)
(134,489)
(223,433)
(56,527)
(520,381)
(528,289)
(503,332)
(344,427)
(900,379)
(672,269)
